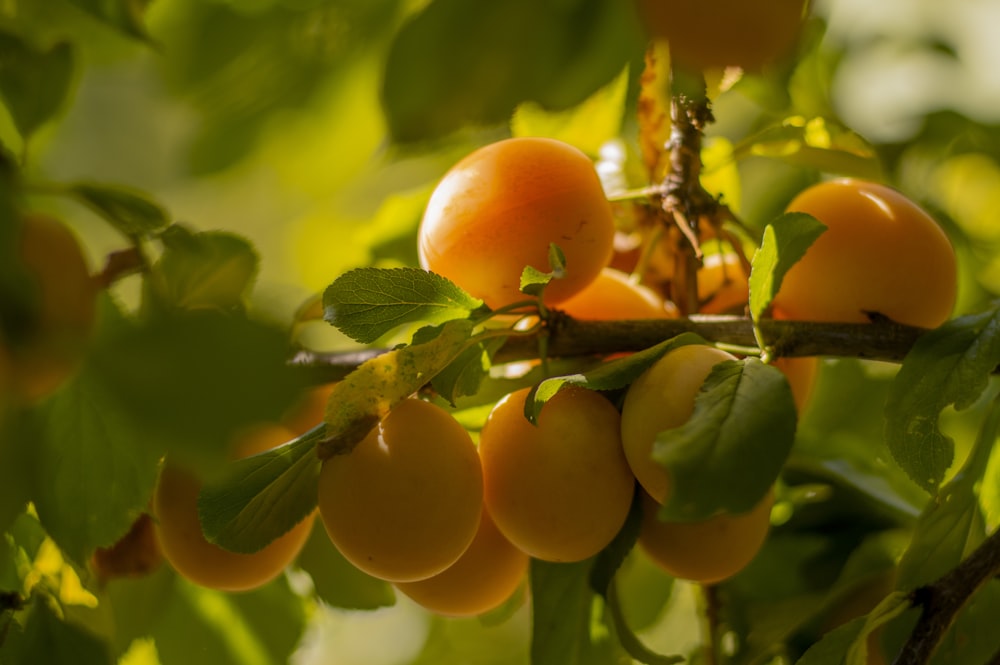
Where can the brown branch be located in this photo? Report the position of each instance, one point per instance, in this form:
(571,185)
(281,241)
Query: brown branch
(569,337)
(942,601)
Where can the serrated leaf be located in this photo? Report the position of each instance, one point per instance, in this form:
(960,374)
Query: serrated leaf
(132,212)
(561,599)
(212,269)
(126,16)
(336,581)
(34,84)
(47,638)
(367,303)
(729,453)
(261,497)
(367,394)
(611,375)
(949,365)
(785,241)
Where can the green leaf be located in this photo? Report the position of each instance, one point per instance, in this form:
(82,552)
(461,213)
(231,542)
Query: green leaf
(952,524)
(456,64)
(464,375)
(832,649)
(46,638)
(728,454)
(949,365)
(126,16)
(785,242)
(606,376)
(367,394)
(130,211)
(94,465)
(534,281)
(638,651)
(611,558)
(193,378)
(261,497)
(256,627)
(367,303)
(34,84)
(561,601)
(211,269)
(336,581)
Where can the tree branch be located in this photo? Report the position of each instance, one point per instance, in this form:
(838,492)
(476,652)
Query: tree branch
(942,601)
(568,337)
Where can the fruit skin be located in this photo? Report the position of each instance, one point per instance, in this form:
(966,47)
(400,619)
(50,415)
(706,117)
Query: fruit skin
(611,296)
(175,506)
(705,34)
(709,551)
(663,398)
(66,297)
(486,575)
(498,210)
(881,253)
(406,502)
(722,284)
(561,490)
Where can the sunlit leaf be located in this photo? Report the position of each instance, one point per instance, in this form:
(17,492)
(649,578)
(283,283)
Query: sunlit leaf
(367,394)
(786,240)
(261,497)
(819,144)
(126,16)
(949,365)
(34,84)
(729,453)
(367,303)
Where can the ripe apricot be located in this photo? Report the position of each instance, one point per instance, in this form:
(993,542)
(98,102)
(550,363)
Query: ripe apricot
(559,490)
(660,399)
(175,506)
(611,296)
(66,305)
(405,503)
(705,34)
(708,551)
(485,576)
(722,284)
(498,210)
(881,254)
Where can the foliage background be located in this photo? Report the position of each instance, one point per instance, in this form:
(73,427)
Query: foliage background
(294,123)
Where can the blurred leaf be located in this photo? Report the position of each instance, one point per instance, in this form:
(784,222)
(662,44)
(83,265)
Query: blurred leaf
(832,649)
(464,375)
(587,126)
(261,497)
(337,582)
(252,628)
(720,174)
(132,212)
(193,378)
(365,395)
(46,638)
(34,84)
(136,604)
(211,269)
(785,241)
(611,558)
(561,599)
(457,64)
(95,466)
(816,143)
(367,303)
(126,16)
(606,376)
(729,453)
(949,365)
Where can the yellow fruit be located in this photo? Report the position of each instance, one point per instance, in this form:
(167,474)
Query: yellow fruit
(561,490)
(405,503)
(611,296)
